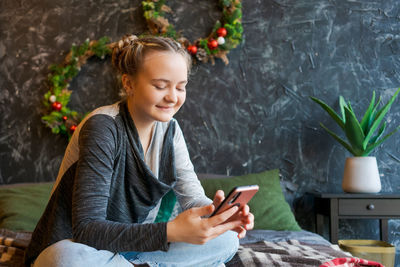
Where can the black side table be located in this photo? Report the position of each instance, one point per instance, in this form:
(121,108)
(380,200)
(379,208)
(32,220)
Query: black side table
(337,206)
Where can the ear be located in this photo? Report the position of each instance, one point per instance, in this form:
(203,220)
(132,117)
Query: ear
(127,83)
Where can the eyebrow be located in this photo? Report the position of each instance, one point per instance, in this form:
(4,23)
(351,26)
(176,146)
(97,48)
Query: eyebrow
(167,81)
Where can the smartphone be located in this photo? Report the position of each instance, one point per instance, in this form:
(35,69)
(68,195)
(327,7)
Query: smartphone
(239,196)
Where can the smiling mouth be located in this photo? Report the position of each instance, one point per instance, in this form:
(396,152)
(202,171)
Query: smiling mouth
(164,108)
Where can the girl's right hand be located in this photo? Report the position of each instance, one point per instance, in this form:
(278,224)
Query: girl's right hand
(190,227)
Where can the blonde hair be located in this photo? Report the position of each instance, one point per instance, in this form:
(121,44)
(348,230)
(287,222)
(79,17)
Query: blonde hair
(128,53)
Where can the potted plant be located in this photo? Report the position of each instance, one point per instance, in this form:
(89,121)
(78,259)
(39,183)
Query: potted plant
(361,173)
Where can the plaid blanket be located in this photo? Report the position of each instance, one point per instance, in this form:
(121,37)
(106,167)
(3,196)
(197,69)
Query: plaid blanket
(264,253)
(12,247)
(290,253)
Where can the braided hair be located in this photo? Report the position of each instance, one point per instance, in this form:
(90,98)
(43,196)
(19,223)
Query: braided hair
(129,52)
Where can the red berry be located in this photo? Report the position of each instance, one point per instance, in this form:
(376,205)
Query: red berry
(73,128)
(192,49)
(56,106)
(212,44)
(222,32)
(65,118)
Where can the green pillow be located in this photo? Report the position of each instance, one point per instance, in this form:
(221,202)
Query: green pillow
(270,209)
(21,206)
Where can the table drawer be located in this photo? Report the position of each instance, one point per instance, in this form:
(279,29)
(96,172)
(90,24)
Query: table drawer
(386,207)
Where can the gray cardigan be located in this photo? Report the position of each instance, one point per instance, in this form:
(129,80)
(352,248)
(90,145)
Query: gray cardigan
(105,191)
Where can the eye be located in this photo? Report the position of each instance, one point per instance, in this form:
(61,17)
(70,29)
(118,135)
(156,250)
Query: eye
(181,86)
(159,86)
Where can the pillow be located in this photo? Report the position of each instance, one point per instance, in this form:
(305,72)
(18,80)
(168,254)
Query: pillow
(21,206)
(270,209)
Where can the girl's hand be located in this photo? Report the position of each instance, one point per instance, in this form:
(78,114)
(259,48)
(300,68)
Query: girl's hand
(246,217)
(242,215)
(190,227)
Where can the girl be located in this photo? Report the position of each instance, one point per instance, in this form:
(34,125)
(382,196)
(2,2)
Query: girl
(122,171)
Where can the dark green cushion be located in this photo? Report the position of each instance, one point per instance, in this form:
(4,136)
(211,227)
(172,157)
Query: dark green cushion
(21,206)
(270,209)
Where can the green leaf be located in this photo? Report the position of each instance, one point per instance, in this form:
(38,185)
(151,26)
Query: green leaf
(238,27)
(56,114)
(147,5)
(57,90)
(64,99)
(230,30)
(159,4)
(376,137)
(100,48)
(148,14)
(349,106)
(366,118)
(227,17)
(63,128)
(74,51)
(330,111)
(83,48)
(203,43)
(373,113)
(47,95)
(353,131)
(55,130)
(48,118)
(373,146)
(342,104)
(64,110)
(340,140)
(226,3)
(171,32)
(381,113)
(217,26)
(237,14)
(155,14)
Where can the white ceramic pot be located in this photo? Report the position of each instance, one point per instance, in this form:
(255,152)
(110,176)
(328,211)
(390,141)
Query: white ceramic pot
(361,175)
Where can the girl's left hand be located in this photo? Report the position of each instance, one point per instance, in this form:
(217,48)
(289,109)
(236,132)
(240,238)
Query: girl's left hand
(243,214)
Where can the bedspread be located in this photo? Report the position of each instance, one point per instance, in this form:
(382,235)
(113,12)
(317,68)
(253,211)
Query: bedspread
(290,253)
(12,247)
(252,252)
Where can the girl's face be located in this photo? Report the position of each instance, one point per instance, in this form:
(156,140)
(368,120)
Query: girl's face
(158,90)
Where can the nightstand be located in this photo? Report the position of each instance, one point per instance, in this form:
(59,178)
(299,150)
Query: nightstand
(336,206)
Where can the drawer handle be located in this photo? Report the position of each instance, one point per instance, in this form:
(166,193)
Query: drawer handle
(370,207)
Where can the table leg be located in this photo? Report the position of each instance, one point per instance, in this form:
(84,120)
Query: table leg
(334,220)
(320,224)
(384,230)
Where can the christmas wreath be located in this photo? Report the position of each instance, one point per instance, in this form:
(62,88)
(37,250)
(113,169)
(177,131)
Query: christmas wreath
(226,35)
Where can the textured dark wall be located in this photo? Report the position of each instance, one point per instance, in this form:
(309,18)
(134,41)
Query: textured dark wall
(251,115)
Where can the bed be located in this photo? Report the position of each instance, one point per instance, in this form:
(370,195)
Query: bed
(277,239)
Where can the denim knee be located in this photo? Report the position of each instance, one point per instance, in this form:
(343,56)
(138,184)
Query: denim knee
(59,254)
(66,253)
(229,242)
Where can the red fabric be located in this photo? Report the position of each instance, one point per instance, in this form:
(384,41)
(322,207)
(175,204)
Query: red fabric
(350,262)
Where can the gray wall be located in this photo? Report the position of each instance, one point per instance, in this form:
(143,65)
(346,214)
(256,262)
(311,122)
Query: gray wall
(251,115)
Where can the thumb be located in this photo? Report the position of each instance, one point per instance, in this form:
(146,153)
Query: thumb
(203,211)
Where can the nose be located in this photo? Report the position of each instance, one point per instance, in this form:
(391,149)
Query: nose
(171,96)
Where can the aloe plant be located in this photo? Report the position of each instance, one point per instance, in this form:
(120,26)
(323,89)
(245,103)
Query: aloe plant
(364,136)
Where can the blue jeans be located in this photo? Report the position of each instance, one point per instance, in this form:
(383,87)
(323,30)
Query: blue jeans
(67,253)
(213,253)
